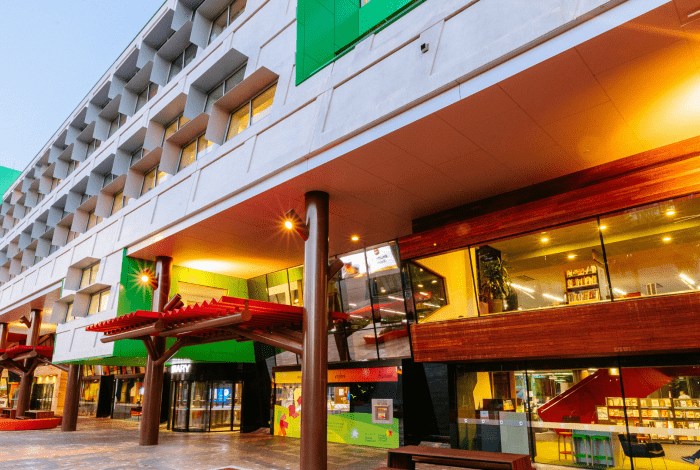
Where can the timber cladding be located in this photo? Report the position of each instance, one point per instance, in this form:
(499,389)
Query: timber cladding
(663,173)
(663,324)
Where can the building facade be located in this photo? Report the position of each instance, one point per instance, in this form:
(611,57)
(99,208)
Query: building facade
(512,194)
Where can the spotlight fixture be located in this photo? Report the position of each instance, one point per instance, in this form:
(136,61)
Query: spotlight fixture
(544,240)
(603,227)
(294,222)
(666,239)
(355,238)
(670,213)
(148,278)
(572,256)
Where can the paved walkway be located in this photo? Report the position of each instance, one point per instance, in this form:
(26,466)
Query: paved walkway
(105,444)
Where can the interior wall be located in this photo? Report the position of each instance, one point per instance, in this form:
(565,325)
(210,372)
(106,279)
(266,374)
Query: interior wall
(454,267)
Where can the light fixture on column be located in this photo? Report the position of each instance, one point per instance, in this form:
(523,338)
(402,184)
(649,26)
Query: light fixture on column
(292,221)
(148,278)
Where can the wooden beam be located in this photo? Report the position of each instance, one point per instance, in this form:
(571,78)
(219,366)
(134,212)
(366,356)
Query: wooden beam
(16,368)
(26,355)
(138,333)
(213,323)
(150,347)
(172,350)
(62,367)
(271,338)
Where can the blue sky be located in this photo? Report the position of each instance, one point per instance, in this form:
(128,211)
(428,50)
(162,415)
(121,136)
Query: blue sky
(51,54)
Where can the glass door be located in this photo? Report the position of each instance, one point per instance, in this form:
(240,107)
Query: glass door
(237,400)
(221,406)
(199,406)
(180,406)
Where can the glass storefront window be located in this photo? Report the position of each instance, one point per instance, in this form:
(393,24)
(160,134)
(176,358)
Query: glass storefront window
(89,391)
(654,249)
(128,397)
(278,287)
(180,406)
(199,406)
(388,304)
(551,268)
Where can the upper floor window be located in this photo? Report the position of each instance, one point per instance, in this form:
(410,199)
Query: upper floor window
(224,20)
(89,275)
(98,302)
(224,87)
(54,183)
(72,236)
(251,112)
(72,166)
(117,123)
(182,61)
(174,126)
(92,220)
(136,156)
(69,312)
(152,179)
(108,179)
(119,201)
(146,95)
(93,145)
(193,151)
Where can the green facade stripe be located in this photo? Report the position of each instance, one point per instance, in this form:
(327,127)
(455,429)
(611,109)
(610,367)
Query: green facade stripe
(328,29)
(7,177)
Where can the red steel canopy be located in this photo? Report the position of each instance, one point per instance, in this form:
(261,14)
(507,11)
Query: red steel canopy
(264,315)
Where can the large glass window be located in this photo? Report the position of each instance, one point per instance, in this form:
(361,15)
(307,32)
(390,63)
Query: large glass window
(193,151)
(174,126)
(225,18)
(153,178)
(251,112)
(654,249)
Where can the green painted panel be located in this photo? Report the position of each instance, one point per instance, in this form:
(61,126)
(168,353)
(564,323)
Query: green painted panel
(236,287)
(257,288)
(7,177)
(278,278)
(327,29)
(296,274)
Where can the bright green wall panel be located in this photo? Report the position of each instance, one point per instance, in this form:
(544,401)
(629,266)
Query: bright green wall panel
(236,287)
(7,177)
(327,29)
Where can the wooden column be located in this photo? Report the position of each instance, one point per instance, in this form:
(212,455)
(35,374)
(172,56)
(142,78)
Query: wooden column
(150,417)
(25,384)
(314,368)
(72,401)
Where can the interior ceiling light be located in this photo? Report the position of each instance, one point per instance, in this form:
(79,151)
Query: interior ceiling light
(666,239)
(355,238)
(603,227)
(518,286)
(420,285)
(670,212)
(544,240)
(434,281)
(619,291)
(572,256)
(686,279)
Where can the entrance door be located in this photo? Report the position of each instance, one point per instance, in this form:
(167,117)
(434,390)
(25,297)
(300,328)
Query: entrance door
(199,406)
(180,406)
(221,406)
(237,405)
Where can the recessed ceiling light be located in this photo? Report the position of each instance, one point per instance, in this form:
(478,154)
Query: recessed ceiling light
(354,238)
(544,240)
(434,281)
(288,224)
(603,227)
(420,285)
(670,212)
(572,256)
(666,239)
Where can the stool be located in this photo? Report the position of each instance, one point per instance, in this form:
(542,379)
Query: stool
(596,440)
(585,440)
(561,437)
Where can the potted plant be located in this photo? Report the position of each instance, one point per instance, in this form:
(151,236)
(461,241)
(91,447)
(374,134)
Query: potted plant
(495,285)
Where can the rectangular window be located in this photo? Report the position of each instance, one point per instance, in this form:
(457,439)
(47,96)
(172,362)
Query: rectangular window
(174,126)
(92,220)
(116,123)
(93,145)
(89,275)
(146,95)
(119,201)
(69,313)
(98,302)
(227,16)
(189,154)
(182,61)
(72,166)
(224,87)
(257,108)
(149,181)
(136,156)
(654,249)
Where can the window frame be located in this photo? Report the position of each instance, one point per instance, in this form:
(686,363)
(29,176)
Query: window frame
(183,61)
(148,92)
(91,272)
(99,295)
(222,83)
(197,151)
(229,20)
(249,104)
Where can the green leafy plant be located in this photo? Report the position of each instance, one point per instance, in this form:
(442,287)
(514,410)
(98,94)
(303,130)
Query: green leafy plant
(495,281)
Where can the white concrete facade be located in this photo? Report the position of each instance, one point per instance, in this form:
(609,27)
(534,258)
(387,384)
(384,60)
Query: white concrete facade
(383,84)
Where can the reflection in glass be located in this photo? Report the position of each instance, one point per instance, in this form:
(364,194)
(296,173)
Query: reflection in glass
(561,266)
(239,121)
(429,291)
(199,406)
(221,402)
(356,303)
(262,104)
(278,287)
(181,406)
(654,249)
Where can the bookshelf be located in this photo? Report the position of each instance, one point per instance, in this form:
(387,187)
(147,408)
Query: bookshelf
(583,285)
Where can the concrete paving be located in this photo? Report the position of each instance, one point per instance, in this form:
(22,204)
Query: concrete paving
(106,444)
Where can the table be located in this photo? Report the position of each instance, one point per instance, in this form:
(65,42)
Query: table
(406,457)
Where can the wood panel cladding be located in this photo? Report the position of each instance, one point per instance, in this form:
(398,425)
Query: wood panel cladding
(645,325)
(652,176)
